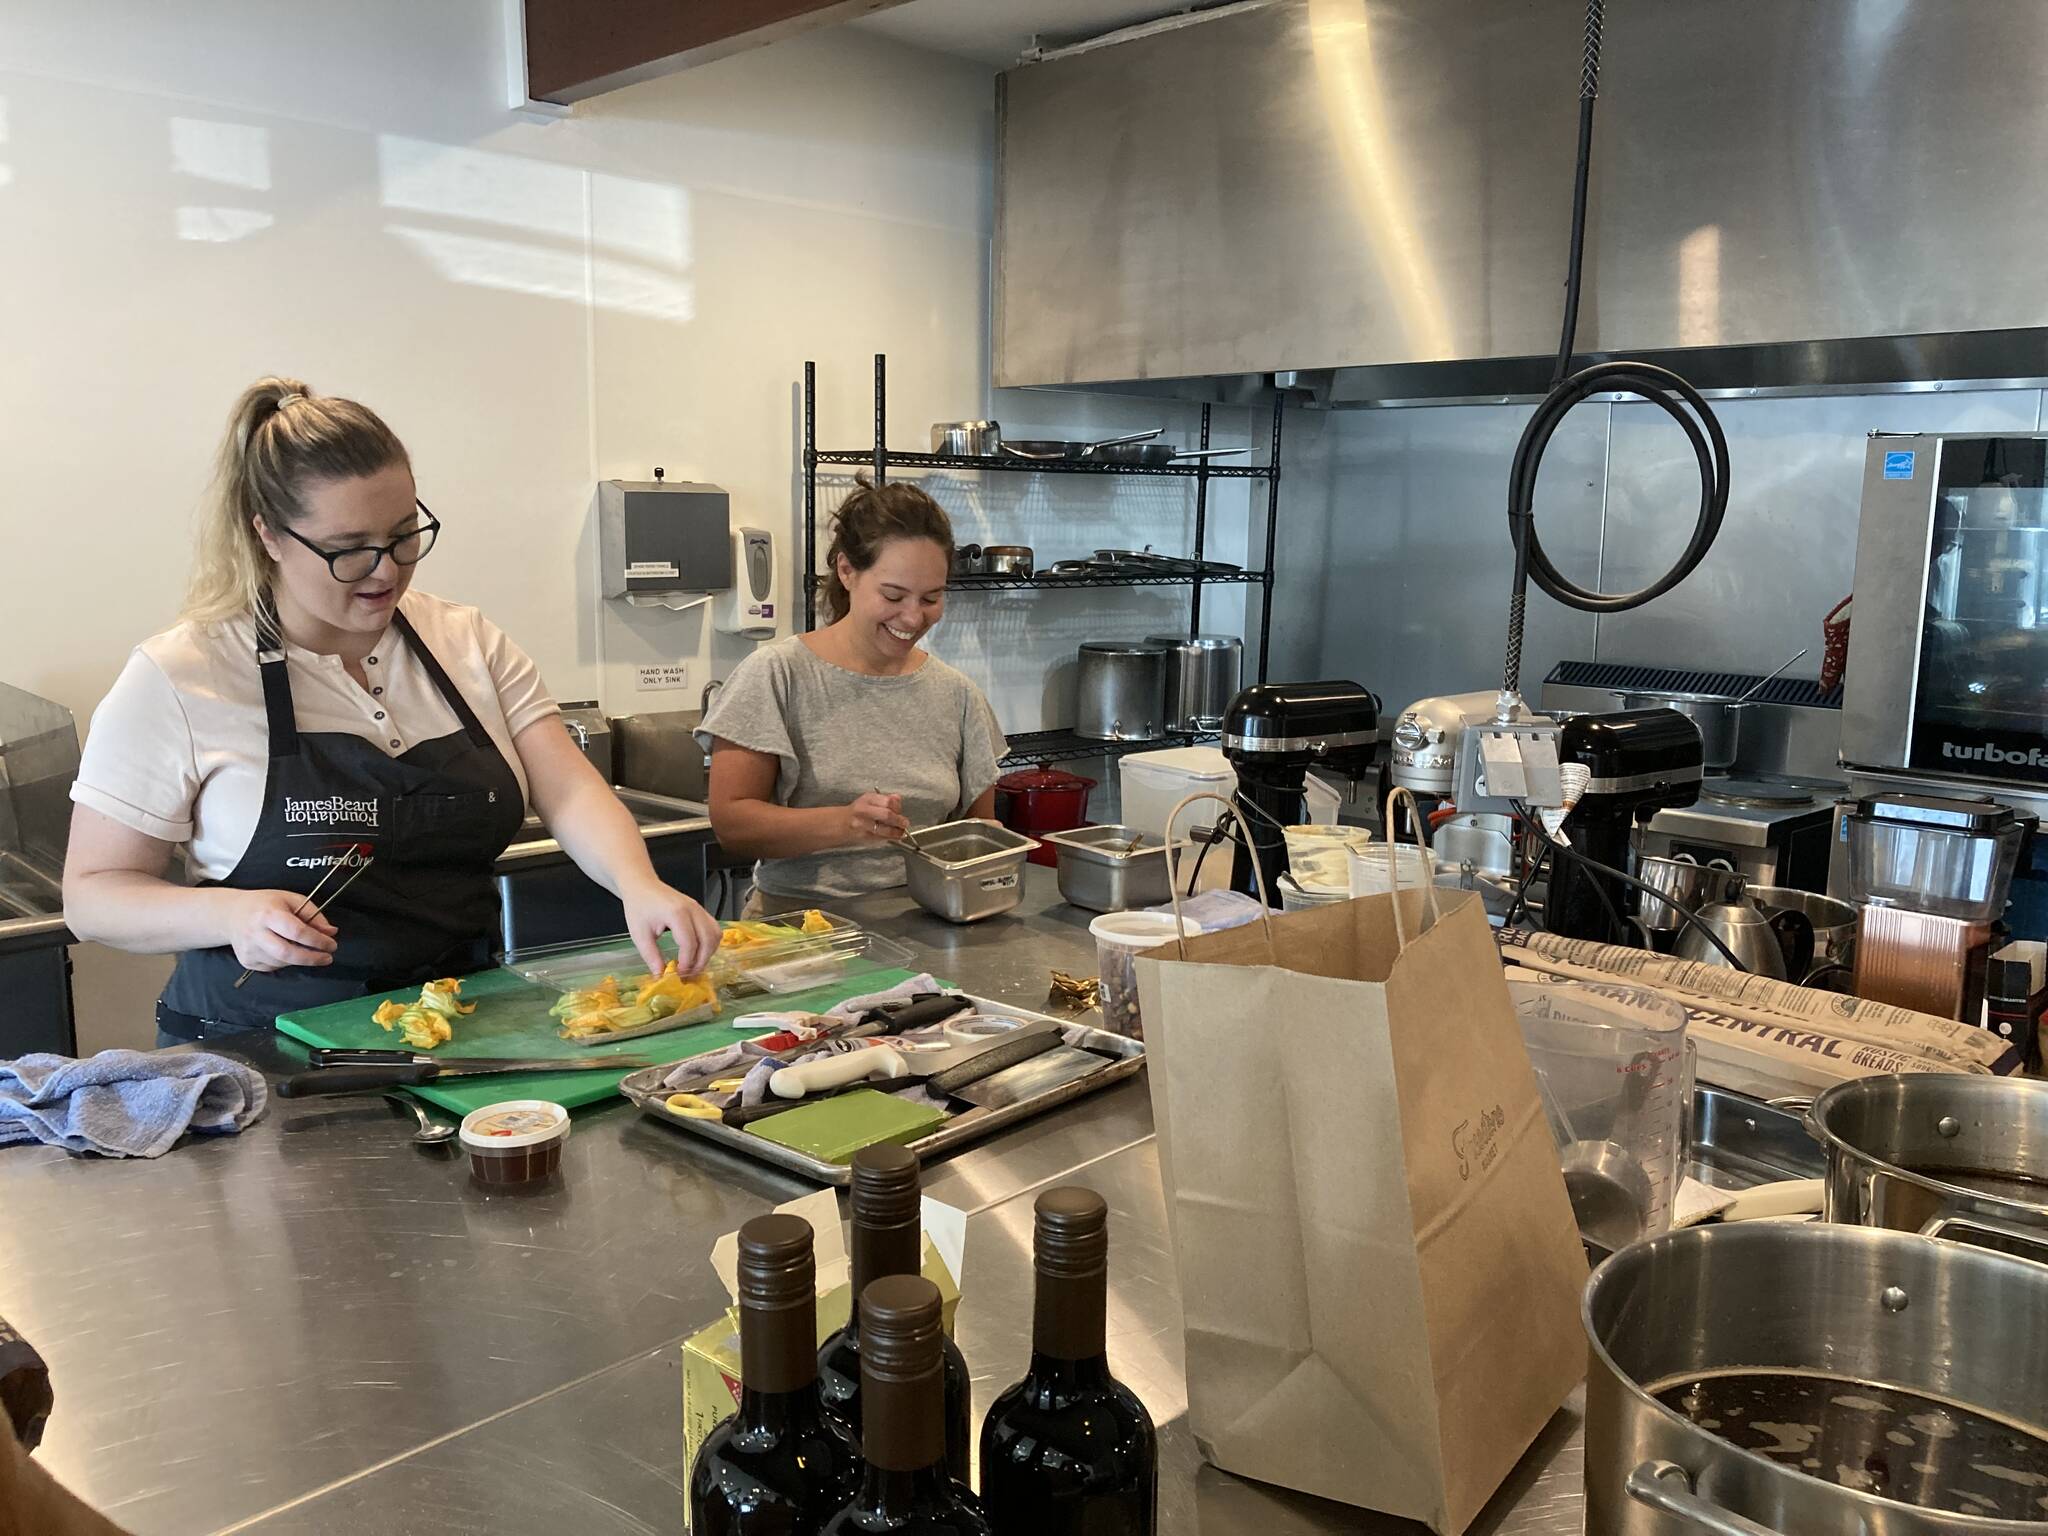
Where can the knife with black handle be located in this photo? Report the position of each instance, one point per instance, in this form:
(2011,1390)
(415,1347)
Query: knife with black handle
(342,1071)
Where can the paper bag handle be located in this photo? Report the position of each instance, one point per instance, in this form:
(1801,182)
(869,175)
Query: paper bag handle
(1436,910)
(1180,923)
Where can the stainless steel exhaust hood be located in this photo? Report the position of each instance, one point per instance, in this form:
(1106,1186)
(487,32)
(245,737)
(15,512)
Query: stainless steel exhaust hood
(1370,198)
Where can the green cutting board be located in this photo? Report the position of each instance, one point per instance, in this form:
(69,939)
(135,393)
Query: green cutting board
(512,1020)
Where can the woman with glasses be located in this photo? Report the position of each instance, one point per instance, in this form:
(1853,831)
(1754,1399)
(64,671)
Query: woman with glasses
(314,718)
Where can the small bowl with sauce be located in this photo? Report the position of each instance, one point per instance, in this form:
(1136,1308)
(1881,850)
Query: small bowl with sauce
(518,1141)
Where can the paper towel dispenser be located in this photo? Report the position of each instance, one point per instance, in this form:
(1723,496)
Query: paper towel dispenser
(659,537)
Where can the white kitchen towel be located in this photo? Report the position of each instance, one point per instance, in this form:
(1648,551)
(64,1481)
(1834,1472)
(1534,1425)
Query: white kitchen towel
(126,1103)
(902,992)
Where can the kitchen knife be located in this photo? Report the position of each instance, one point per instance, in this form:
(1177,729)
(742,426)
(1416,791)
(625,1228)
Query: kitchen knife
(1049,1070)
(813,1078)
(347,1072)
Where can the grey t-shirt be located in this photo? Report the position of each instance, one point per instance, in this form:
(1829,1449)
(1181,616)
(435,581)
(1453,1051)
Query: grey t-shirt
(928,736)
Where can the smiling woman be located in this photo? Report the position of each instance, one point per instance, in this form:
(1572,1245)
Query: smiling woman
(827,747)
(313,710)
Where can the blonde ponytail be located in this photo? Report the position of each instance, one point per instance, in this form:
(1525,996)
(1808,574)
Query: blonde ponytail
(280,438)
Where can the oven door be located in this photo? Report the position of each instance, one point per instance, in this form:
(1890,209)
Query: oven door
(1948,657)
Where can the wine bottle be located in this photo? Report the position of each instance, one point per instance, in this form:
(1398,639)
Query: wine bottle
(888,1240)
(780,1466)
(1069,1449)
(904,1483)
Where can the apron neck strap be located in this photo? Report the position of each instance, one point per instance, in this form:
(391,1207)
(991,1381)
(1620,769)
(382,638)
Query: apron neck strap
(471,726)
(281,718)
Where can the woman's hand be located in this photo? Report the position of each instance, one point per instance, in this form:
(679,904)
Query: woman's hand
(876,818)
(654,909)
(267,935)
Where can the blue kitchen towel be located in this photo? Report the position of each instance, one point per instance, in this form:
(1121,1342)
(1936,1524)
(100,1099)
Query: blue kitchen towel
(126,1103)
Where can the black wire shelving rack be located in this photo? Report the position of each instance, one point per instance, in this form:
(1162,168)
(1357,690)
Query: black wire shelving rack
(880,460)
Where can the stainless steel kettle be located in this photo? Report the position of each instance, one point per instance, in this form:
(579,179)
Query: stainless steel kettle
(1779,946)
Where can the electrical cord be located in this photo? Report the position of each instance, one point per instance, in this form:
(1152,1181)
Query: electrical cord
(1529,878)
(1659,386)
(1595,867)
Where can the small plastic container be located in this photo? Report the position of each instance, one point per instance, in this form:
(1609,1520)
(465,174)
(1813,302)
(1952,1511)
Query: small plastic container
(1295,897)
(516,1142)
(1120,937)
(1374,867)
(1318,856)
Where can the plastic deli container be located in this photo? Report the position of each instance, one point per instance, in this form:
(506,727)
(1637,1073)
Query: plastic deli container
(1377,867)
(1318,856)
(1120,937)
(516,1142)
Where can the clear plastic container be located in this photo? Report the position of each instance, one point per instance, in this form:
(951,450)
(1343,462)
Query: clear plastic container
(842,949)
(1318,857)
(1375,867)
(1120,937)
(1943,871)
(1615,1075)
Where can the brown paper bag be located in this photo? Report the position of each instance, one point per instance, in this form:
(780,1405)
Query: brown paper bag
(1378,1262)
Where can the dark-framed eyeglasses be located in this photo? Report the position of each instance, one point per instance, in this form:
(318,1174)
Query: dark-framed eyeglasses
(360,561)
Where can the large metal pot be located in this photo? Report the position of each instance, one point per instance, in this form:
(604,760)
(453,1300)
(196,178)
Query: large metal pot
(1202,677)
(1684,883)
(1121,691)
(1718,717)
(1853,1316)
(1834,922)
(1940,1153)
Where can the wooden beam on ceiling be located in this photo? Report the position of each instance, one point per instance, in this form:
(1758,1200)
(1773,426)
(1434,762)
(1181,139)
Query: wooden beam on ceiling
(577,49)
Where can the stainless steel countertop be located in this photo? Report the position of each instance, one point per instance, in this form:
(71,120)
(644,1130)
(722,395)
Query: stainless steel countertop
(316,1326)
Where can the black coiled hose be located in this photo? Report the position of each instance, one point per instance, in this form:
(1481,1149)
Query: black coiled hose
(1660,386)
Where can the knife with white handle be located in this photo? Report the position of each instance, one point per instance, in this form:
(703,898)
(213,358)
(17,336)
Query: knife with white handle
(830,1072)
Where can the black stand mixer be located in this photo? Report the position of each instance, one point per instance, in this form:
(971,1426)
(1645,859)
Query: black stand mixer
(1273,734)
(1640,761)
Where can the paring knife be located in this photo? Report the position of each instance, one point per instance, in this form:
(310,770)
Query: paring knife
(344,1071)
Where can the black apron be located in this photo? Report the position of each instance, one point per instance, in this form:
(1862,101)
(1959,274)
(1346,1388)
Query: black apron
(433,822)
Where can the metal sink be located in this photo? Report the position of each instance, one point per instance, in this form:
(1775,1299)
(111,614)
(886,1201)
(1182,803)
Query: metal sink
(545,899)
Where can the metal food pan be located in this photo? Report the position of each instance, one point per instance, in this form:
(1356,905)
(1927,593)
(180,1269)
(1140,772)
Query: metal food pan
(646,1091)
(1738,1142)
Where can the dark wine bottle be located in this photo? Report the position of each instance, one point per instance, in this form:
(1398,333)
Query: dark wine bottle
(888,1239)
(904,1485)
(780,1466)
(1069,1450)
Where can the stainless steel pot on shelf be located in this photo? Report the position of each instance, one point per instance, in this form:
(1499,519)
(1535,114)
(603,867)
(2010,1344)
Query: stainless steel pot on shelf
(1121,691)
(1942,1154)
(1845,1316)
(1202,677)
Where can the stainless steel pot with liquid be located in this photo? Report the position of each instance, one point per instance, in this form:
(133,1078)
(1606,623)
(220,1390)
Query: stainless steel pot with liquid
(1763,1379)
(1943,1154)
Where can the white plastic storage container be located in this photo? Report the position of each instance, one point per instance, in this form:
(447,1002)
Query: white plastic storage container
(1153,783)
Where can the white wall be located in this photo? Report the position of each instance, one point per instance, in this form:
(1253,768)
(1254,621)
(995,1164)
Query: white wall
(192,196)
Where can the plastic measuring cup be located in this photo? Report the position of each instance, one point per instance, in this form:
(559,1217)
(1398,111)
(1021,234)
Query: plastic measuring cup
(1616,1078)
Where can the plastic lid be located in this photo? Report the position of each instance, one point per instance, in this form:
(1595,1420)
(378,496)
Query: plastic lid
(1974,815)
(1139,930)
(1182,762)
(515,1123)
(1042,777)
